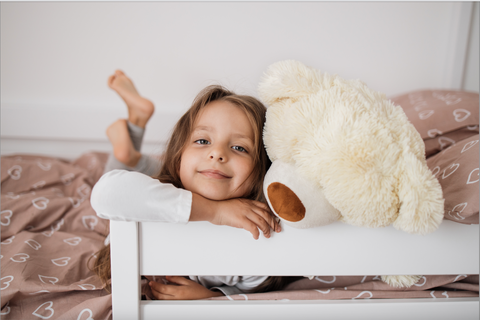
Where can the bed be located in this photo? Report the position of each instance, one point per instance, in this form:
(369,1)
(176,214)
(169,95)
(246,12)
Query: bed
(49,232)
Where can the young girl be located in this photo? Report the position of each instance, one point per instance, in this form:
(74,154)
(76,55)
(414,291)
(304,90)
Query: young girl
(212,170)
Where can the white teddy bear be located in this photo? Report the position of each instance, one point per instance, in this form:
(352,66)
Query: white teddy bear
(341,151)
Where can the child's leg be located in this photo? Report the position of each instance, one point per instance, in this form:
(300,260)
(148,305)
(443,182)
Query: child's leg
(126,136)
(125,139)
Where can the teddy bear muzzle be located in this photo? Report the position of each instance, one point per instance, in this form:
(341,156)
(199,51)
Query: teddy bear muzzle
(295,199)
(285,202)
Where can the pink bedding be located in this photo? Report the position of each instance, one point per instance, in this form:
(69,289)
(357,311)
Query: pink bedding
(49,231)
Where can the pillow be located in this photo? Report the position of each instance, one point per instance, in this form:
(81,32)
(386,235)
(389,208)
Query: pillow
(456,168)
(442,117)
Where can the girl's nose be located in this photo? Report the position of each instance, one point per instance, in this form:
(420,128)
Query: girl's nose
(218,154)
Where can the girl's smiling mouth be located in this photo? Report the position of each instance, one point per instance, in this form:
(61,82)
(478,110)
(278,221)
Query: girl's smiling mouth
(215,174)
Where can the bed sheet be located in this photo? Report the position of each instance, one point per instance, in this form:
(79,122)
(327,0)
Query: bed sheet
(49,231)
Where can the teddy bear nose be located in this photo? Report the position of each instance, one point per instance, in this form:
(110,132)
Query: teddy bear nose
(285,202)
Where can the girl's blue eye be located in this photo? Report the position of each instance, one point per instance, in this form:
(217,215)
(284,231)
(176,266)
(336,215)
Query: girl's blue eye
(238,148)
(202,141)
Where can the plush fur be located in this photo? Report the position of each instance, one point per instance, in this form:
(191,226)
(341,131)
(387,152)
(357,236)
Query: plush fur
(354,144)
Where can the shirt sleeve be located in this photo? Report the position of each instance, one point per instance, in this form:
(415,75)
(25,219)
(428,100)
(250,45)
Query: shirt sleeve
(230,285)
(132,196)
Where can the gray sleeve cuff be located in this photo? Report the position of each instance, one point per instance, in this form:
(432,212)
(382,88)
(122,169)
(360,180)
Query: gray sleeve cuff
(227,290)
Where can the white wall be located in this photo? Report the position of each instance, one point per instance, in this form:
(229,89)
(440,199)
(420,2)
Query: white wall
(56,57)
(471,78)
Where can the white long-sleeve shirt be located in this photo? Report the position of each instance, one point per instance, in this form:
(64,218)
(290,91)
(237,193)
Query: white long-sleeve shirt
(132,196)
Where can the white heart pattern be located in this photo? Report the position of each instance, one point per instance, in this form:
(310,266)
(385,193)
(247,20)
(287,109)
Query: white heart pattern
(418,284)
(67,179)
(41,291)
(87,286)
(470,177)
(39,184)
(326,281)
(73,241)
(436,170)
(34,244)
(15,172)
(425,114)
(7,310)
(324,292)
(39,309)
(90,225)
(40,203)
(456,210)
(6,282)
(469,145)
(475,127)
(44,167)
(363,292)
(5,216)
(22,257)
(75,202)
(432,133)
(49,233)
(83,191)
(8,240)
(456,165)
(445,142)
(449,98)
(61,262)
(458,277)
(52,280)
(90,315)
(461,114)
(12,195)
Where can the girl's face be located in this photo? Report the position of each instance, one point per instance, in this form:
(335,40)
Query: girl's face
(218,157)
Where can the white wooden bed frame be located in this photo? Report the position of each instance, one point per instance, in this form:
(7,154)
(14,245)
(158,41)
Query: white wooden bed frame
(338,249)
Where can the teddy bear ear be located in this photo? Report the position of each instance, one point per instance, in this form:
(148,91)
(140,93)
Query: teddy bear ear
(288,79)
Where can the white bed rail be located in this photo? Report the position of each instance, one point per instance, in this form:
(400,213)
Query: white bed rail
(200,248)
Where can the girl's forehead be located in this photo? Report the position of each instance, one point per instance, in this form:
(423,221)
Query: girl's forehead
(224,116)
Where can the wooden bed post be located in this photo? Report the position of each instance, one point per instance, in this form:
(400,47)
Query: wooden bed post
(126,289)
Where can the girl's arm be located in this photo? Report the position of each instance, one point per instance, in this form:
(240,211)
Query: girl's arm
(240,213)
(132,196)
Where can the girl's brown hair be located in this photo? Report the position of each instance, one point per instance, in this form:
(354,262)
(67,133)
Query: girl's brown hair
(169,172)
(255,112)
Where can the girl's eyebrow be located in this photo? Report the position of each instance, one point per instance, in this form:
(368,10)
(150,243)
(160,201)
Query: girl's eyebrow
(200,128)
(210,129)
(241,136)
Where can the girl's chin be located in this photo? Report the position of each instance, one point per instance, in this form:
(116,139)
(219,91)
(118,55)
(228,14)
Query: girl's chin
(214,195)
(217,194)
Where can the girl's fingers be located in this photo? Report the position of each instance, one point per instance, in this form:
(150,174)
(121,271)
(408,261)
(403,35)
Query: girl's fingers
(260,223)
(267,216)
(177,280)
(262,205)
(251,227)
(158,290)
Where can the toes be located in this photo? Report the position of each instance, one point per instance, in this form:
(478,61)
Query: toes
(119,73)
(110,80)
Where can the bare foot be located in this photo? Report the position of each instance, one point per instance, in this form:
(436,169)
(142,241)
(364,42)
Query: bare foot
(139,109)
(123,149)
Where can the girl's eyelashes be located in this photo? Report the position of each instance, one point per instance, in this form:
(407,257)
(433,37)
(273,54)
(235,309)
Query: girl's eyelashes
(202,141)
(238,148)
(205,142)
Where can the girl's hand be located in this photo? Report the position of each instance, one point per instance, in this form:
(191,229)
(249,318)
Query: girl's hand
(182,289)
(246,214)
